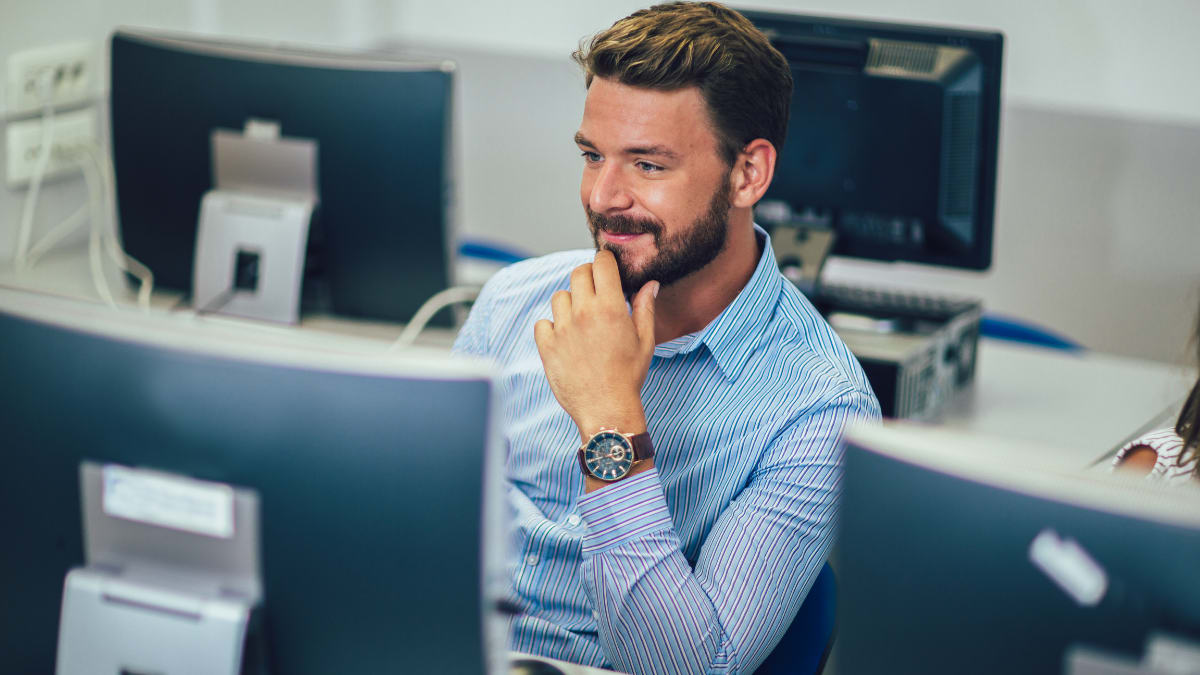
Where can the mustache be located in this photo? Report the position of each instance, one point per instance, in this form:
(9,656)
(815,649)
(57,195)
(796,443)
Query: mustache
(623,224)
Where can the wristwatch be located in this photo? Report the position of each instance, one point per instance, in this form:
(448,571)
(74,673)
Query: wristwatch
(610,455)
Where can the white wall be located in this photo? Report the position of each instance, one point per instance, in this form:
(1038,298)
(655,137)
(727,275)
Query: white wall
(1097,233)
(1109,55)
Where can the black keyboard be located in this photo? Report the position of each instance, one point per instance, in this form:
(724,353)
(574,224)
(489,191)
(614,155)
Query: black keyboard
(882,303)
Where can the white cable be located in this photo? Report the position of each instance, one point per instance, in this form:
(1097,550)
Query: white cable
(25,229)
(108,230)
(100,204)
(91,177)
(100,211)
(451,296)
(57,234)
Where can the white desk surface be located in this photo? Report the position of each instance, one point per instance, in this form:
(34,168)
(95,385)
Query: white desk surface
(65,273)
(1088,404)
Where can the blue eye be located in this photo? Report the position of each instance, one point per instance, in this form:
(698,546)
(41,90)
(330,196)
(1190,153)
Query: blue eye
(648,167)
(590,157)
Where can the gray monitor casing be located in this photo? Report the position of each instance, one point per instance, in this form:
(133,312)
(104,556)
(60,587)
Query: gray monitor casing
(934,567)
(380,241)
(370,470)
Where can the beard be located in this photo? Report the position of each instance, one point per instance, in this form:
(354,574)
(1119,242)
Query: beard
(678,255)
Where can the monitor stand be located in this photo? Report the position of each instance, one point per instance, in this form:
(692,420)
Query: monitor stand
(253,231)
(172,578)
(802,244)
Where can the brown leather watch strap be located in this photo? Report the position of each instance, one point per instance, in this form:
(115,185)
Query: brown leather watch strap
(643,447)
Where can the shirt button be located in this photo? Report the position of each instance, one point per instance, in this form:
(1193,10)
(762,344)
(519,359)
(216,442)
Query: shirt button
(595,615)
(573,520)
(531,559)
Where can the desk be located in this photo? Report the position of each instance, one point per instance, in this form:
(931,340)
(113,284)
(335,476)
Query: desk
(1087,404)
(65,272)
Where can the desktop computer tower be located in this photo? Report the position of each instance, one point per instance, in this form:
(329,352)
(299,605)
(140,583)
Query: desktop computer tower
(917,351)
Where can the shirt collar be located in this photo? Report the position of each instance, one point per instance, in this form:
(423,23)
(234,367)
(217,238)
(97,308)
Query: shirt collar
(733,335)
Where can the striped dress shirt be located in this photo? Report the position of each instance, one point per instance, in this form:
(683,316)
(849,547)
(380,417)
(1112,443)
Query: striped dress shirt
(699,564)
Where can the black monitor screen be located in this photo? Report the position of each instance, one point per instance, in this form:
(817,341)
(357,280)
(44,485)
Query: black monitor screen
(378,247)
(892,137)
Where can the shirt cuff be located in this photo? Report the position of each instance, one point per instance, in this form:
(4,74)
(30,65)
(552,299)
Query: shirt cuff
(627,510)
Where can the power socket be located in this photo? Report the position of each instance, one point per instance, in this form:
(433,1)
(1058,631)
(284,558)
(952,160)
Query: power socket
(72,131)
(70,67)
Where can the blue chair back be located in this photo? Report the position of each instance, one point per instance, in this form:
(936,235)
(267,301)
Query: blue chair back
(1002,327)
(806,644)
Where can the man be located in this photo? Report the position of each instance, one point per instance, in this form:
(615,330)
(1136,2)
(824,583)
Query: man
(673,463)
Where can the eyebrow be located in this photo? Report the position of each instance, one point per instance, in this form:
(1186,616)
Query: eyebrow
(651,150)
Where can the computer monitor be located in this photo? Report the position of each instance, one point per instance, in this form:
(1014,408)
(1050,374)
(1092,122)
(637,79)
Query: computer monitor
(371,470)
(379,244)
(966,555)
(892,139)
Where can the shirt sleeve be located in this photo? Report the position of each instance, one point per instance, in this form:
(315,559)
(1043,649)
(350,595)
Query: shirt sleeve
(1168,448)
(472,338)
(656,614)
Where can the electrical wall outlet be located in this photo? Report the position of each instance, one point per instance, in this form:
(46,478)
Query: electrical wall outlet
(72,132)
(70,67)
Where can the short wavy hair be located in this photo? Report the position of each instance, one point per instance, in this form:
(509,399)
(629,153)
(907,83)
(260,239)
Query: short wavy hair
(744,80)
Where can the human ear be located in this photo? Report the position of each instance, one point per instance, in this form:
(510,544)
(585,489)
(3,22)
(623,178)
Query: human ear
(752,172)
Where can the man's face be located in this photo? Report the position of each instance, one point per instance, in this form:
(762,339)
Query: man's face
(655,189)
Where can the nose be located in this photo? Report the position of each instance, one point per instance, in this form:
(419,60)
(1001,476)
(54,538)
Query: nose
(604,189)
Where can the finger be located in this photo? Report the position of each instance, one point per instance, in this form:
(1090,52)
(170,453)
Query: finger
(582,289)
(643,314)
(560,307)
(543,332)
(607,276)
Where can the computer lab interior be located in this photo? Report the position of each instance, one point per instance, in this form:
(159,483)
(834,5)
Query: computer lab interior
(236,440)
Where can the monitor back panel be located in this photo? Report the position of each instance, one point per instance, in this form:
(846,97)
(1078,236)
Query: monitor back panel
(379,240)
(370,491)
(935,576)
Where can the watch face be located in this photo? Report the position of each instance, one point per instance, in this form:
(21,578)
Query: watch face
(608,455)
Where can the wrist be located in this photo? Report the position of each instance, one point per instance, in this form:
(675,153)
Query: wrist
(627,419)
(626,424)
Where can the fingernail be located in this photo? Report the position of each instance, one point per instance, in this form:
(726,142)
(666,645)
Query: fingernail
(654,291)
